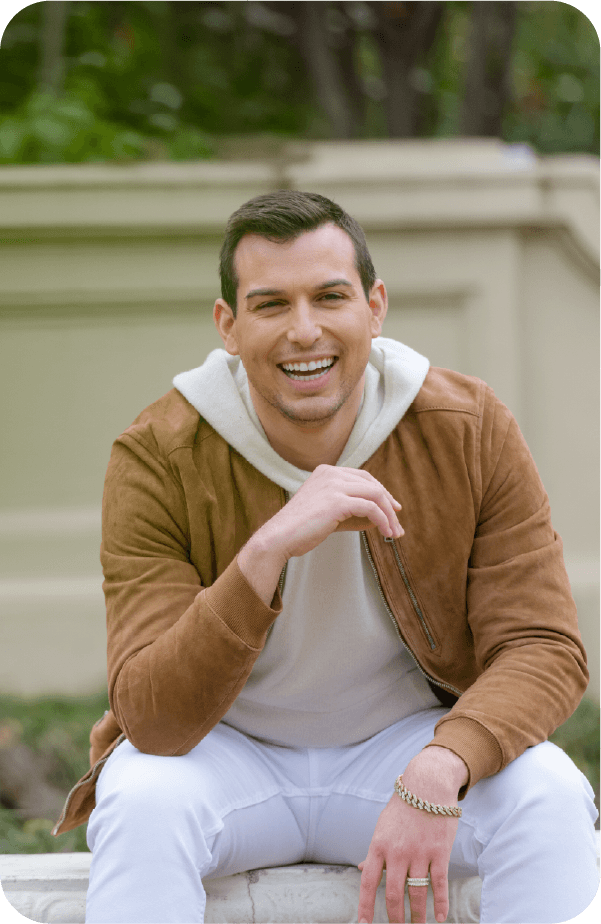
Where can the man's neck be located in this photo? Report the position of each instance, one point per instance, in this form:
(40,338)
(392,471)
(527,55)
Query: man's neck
(309,444)
(318,446)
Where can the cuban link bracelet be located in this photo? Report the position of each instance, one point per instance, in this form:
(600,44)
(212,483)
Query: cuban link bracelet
(416,802)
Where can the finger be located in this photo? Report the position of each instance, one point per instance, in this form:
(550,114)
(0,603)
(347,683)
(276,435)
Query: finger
(372,490)
(418,897)
(389,504)
(343,484)
(369,477)
(395,893)
(440,888)
(371,876)
(396,530)
(371,510)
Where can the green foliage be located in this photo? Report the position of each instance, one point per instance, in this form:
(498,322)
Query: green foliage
(34,836)
(143,81)
(111,107)
(556,80)
(166,80)
(50,129)
(58,731)
(579,737)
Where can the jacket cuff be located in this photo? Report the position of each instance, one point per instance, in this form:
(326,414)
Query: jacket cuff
(477,747)
(234,601)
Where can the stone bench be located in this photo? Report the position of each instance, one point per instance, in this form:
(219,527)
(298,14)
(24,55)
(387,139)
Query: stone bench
(51,888)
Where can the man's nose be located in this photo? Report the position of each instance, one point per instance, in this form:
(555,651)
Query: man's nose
(304,325)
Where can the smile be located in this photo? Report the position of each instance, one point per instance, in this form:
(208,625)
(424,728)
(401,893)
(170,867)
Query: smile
(299,371)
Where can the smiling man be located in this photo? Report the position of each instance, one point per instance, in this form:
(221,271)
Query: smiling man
(307,314)
(294,676)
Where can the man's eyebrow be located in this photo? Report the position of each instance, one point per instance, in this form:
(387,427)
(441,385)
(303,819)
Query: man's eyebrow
(334,282)
(331,283)
(254,292)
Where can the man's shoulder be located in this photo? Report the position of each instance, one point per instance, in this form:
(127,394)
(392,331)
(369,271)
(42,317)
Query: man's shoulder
(446,390)
(167,424)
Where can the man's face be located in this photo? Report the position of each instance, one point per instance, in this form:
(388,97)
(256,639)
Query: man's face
(301,302)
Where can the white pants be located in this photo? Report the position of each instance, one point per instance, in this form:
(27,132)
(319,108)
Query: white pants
(233,803)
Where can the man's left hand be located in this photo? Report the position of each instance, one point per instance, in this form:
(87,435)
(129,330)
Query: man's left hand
(413,842)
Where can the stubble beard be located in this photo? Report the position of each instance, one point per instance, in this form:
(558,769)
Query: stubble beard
(309,418)
(315,418)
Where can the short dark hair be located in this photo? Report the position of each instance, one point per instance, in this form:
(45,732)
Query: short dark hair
(282,216)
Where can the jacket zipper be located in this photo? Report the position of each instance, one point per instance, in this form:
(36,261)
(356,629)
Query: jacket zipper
(412,596)
(438,683)
(282,576)
(282,579)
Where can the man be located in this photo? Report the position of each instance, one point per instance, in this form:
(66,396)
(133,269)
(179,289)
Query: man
(281,648)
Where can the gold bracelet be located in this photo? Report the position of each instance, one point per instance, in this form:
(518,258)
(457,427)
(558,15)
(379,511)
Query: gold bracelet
(416,802)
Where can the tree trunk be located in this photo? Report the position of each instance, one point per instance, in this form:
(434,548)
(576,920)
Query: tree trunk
(346,55)
(52,41)
(487,84)
(323,66)
(405,33)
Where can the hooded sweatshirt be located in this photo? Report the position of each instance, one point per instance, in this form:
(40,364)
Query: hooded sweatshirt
(334,670)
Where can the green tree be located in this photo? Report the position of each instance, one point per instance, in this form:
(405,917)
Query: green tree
(97,81)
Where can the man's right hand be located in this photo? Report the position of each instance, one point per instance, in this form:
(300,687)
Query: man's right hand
(332,499)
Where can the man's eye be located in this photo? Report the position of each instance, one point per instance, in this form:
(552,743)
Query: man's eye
(332,296)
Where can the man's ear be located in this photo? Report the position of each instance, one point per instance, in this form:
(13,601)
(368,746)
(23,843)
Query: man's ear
(378,302)
(225,322)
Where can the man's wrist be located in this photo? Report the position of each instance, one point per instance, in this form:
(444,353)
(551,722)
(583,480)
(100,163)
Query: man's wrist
(436,774)
(261,565)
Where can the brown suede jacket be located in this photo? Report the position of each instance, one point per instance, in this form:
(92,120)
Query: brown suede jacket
(477,584)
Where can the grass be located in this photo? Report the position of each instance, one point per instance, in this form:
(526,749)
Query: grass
(58,731)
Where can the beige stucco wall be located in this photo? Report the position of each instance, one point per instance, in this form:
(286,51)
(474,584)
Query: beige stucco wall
(107,280)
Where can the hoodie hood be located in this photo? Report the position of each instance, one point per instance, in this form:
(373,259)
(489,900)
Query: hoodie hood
(219,391)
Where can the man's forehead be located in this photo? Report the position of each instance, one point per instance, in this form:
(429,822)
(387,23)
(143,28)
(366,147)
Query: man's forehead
(325,244)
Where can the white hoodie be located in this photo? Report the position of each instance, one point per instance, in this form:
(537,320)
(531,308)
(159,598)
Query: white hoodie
(333,670)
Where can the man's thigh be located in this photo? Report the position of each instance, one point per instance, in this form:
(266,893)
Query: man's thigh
(225,797)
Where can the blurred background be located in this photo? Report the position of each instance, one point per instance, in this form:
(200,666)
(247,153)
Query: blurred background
(105,81)
(464,136)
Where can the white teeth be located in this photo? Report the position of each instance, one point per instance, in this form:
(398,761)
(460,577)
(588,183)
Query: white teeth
(308,367)
(305,378)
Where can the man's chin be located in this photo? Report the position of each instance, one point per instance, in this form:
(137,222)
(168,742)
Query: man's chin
(312,412)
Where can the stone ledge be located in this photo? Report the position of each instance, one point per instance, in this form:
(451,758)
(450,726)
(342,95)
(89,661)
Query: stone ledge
(51,888)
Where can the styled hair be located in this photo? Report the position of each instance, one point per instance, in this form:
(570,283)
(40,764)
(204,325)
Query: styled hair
(283,216)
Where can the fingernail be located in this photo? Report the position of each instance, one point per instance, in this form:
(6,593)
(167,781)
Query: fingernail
(440,918)
(363,921)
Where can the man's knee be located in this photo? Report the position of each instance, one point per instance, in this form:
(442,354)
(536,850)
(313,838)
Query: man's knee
(543,779)
(136,785)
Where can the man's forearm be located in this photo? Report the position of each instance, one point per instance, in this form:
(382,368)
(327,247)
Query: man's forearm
(261,565)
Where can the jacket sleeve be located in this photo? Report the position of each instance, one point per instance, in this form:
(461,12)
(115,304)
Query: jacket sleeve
(178,653)
(520,611)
